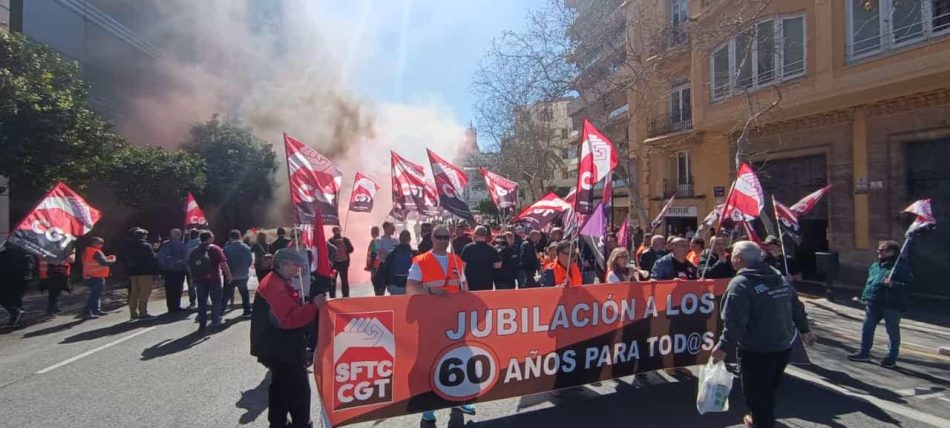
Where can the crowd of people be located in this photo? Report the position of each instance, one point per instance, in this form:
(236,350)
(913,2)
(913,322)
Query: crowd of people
(759,326)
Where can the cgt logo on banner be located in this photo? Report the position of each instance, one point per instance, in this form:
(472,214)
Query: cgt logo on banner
(364,354)
(397,355)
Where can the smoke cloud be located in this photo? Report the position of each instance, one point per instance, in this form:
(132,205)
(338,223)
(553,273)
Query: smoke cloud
(283,67)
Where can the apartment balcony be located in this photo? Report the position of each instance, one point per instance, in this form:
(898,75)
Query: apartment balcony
(666,124)
(669,38)
(672,187)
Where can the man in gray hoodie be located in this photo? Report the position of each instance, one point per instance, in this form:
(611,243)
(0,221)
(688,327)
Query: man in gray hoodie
(761,313)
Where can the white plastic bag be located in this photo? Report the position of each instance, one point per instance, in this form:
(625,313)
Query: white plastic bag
(715,384)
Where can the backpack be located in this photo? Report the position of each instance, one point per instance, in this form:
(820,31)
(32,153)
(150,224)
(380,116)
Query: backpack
(199,263)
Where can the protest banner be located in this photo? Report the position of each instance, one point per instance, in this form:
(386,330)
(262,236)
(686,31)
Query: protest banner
(380,357)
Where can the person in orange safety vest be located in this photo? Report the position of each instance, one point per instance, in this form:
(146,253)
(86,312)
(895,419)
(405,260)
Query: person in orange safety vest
(438,272)
(95,270)
(556,272)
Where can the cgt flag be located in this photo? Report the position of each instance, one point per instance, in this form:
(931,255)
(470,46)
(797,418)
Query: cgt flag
(194,216)
(541,213)
(924,214)
(314,179)
(598,159)
(408,183)
(504,192)
(659,217)
(450,181)
(50,230)
(380,357)
(806,204)
(364,193)
(787,221)
(431,198)
(746,198)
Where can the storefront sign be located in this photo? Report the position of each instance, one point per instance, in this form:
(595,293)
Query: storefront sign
(690,211)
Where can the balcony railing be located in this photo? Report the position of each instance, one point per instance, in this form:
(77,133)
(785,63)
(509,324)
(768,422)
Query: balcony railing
(667,125)
(669,38)
(672,187)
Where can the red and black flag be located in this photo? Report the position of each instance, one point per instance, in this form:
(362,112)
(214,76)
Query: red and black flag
(408,182)
(314,180)
(787,221)
(364,193)
(51,229)
(450,181)
(194,216)
(503,192)
(542,212)
(598,159)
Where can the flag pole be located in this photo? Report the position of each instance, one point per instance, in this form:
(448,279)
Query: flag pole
(781,236)
(346,222)
(903,247)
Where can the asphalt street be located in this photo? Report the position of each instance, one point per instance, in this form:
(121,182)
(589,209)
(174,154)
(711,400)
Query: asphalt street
(65,372)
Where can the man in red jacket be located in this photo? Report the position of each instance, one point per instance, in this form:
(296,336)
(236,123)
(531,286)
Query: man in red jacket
(280,323)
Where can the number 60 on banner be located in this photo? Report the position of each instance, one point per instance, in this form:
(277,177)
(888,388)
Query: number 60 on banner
(464,371)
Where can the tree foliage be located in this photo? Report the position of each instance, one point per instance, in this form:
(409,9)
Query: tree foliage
(240,169)
(147,177)
(47,132)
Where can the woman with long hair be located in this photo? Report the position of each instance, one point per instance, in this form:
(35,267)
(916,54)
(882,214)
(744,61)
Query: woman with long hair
(617,270)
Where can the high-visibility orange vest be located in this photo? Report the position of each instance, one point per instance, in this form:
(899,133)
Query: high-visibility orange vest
(434,276)
(90,266)
(560,272)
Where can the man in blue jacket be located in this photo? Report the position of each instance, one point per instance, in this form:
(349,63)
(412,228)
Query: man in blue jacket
(885,295)
(240,259)
(172,256)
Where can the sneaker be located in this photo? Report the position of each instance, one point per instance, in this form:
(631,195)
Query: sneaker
(246,315)
(99,313)
(859,357)
(468,409)
(202,328)
(889,363)
(428,416)
(146,317)
(192,307)
(15,320)
(217,324)
(90,316)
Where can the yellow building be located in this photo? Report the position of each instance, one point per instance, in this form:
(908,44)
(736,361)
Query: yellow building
(852,93)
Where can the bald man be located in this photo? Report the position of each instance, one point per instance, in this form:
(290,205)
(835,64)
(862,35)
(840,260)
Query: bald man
(675,265)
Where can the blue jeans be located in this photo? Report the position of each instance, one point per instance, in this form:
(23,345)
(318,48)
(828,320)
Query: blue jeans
(206,288)
(228,294)
(892,318)
(95,294)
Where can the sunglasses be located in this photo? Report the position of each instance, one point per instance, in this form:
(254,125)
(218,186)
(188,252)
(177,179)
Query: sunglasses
(441,237)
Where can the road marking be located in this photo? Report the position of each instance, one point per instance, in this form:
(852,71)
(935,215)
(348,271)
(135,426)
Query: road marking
(882,404)
(93,351)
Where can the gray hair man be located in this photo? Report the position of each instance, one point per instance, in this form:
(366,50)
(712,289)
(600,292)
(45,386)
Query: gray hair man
(760,313)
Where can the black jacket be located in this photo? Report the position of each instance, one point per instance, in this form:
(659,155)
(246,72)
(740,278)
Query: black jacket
(760,312)
(649,257)
(280,242)
(426,244)
(273,345)
(529,256)
(715,268)
(140,258)
(509,263)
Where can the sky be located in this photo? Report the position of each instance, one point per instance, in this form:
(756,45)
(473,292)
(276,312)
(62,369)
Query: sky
(420,51)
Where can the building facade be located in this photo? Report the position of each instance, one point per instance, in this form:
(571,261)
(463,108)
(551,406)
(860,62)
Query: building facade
(849,93)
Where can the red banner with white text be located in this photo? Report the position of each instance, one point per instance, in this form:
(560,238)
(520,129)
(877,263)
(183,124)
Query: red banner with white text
(379,357)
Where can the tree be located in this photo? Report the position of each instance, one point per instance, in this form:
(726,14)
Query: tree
(521,75)
(47,131)
(239,166)
(151,177)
